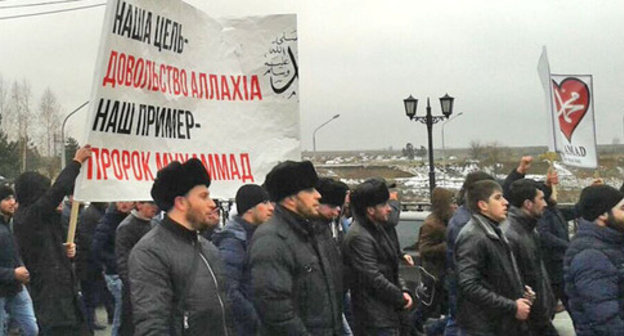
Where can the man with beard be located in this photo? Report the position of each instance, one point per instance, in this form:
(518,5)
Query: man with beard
(176,277)
(254,209)
(594,264)
(14,298)
(40,237)
(372,256)
(292,280)
(490,291)
(527,206)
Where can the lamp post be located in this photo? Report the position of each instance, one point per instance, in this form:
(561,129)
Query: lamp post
(63,132)
(443,147)
(446,104)
(314,133)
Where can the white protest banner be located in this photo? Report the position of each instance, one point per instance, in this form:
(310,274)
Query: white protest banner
(573,113)
(172,83)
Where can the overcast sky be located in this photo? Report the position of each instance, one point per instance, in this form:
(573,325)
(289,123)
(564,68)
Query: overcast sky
(360,59)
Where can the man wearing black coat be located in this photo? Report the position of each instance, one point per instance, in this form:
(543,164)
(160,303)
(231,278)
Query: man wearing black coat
(176,277)
(129,232)
(378,296)
(490,292)
(527,206)
(103,249)
(90,275)
(39,234)
(293,284)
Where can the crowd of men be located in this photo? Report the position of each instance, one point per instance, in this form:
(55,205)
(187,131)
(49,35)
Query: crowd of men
(307,256)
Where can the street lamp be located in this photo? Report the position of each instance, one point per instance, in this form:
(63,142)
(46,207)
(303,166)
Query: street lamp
(63,133)
(443,147)
(446,103)
(314,133)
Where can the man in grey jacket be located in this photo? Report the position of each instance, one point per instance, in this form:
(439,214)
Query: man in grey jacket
(176,277)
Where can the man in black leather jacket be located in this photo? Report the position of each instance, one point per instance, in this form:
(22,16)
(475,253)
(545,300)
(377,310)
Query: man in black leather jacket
(527,206)
(490,291)
(378,295)
(176,276)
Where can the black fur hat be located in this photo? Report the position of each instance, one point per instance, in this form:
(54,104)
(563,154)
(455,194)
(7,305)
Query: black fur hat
(176,179)
(369,193)
(289,178)
(29,187)
(332,192)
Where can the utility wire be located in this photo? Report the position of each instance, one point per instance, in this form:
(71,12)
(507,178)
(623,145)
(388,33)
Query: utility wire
(38,4)
(50,12)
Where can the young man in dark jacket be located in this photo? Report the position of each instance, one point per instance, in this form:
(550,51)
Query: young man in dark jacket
(254,208)
(490,291)
(378,295)
(39,234)
(129,232)
(594,264)
(292,281)
(527,206)
(176,276)
(14,298)
(103,249)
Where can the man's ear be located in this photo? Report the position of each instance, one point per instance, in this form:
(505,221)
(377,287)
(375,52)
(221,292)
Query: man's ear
(527,204)
(370,211)
(483,206)
(603,218)
(180,203)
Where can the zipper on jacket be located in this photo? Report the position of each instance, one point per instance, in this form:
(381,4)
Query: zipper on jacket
(218,296)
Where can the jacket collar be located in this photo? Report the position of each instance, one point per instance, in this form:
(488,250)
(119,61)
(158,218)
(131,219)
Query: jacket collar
(516,215)
(605,234)
(488,226)
(178,230)
(299,224)
(240,228)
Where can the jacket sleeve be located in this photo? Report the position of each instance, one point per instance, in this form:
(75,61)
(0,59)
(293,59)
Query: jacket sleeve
(7,275)
(101,240)
(151,293)
(123,246)
(511,178)
(395,213)
(547,238)
(429,244)
(596,281)
(469,261)
(269,262)
(362,257)
(233,254)
(61,187)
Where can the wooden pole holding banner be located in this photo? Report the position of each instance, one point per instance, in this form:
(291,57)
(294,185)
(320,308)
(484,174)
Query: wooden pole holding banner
(73,220)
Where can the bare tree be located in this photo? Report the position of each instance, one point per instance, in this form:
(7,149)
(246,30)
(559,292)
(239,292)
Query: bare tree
(20,115)
(476,150)
(49,121)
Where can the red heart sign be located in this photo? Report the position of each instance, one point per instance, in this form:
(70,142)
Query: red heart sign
(571,102)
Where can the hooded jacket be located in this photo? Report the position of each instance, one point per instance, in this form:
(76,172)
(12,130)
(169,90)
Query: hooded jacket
(39,234)
(9,261)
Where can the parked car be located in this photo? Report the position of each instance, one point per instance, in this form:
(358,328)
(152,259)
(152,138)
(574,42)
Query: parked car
(408,230)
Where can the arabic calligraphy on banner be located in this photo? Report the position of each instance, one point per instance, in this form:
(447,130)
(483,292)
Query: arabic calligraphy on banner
(172,83)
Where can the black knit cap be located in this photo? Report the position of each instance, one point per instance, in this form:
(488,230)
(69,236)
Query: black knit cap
(598,199)
(176,179)
(332,192)
(369,193)
(5,191)
(248,196)
(290,177)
